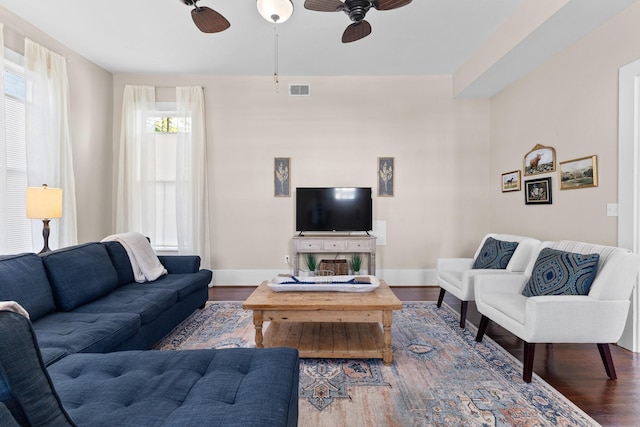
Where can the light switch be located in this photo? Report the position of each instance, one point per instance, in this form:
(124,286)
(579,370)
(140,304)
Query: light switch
(612,209)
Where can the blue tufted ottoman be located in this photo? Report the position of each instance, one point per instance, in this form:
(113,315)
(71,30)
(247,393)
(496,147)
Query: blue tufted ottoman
(226,387)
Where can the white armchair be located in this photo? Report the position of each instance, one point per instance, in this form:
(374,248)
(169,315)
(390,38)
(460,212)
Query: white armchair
(456,275)
(598,317)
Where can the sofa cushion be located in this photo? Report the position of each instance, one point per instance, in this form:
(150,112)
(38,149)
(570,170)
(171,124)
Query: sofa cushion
(183,284)
(80,274)
(561,273)
(83,332)
(121,262)
(52,354)
(495,254)
(139,298)
(225,387)
(23,279)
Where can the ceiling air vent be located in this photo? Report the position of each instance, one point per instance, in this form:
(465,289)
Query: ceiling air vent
(299,90)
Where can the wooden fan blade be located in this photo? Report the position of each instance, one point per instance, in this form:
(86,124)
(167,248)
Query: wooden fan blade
(324,5)
(208,20)
(390,4)
(356,31)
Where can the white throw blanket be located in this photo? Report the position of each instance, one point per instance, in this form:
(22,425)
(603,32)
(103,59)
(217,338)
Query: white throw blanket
(13,306)
(144,261)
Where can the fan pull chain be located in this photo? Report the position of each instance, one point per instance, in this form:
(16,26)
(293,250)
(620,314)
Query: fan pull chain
(275,73)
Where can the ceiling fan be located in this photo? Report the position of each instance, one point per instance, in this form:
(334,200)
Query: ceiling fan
(207,20)
(356,10)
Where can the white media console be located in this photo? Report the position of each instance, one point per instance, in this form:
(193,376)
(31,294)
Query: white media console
(334,244)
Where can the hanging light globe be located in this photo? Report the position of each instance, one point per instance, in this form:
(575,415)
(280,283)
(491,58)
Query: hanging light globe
(276,11)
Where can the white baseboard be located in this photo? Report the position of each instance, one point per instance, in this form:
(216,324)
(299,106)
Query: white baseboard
(408,277)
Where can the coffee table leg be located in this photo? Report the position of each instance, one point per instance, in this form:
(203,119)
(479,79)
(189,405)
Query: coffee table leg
(387,355)
(257,321)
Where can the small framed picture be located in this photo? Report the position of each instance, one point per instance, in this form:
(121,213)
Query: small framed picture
(511,181)
(579,173)
(540,159)
(281,176)
(385,176)
(537,191)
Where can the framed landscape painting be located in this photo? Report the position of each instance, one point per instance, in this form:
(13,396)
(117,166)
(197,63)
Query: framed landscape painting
(537,191)
(282,168)
(511,181)
(579,173)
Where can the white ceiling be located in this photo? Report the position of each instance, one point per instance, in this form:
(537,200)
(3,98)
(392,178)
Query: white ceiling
(424,37)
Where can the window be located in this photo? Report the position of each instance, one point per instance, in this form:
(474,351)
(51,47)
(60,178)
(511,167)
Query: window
(162,181)
(166,127)
(18,227)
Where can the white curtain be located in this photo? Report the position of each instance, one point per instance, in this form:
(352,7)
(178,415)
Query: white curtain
(191,175)
(136,191)
(4,205)
(49,157)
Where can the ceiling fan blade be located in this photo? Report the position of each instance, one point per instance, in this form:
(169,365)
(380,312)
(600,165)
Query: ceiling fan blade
(390,4)
(324,5)
(356,31)
(208,20)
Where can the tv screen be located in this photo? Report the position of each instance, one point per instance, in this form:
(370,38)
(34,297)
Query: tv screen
(333,209)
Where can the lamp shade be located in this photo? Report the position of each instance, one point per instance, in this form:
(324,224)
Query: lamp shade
(44,202)
(276,11)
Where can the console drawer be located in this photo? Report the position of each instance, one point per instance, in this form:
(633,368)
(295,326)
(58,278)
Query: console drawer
(310,245)
(358,245)
(337,245)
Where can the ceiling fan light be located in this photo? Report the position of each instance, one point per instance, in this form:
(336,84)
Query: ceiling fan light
(276,11)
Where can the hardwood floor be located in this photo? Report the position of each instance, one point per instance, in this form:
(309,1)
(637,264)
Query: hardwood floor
(575,370)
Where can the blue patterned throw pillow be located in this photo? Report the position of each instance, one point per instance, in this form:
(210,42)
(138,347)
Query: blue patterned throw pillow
(495,254)
(561,273)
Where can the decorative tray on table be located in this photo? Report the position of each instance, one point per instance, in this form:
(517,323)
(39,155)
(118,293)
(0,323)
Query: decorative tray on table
(324,283)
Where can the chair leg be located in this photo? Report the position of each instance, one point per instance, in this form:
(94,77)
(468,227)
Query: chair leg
(527,371)
(482,328)
(440,297)
(605,354)
(463,313)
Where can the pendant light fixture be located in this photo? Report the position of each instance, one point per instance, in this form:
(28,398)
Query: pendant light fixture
(276,11)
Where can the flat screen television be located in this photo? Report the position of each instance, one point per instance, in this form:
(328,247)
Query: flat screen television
(333,209)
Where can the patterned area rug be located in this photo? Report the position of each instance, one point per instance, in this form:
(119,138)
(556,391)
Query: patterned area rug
(439,377)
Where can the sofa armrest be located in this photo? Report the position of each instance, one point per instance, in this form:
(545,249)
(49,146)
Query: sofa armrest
(454,264)
(574,318)
(7,417)
(180,264)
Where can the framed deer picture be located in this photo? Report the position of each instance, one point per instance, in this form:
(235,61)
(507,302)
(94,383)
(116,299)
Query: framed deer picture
(540,159)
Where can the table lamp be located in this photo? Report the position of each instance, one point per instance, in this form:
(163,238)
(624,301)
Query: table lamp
(44,203)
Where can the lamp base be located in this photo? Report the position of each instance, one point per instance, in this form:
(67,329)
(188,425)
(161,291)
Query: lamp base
(45,235)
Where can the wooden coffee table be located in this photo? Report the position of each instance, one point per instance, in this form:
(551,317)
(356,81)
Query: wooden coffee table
(326,324)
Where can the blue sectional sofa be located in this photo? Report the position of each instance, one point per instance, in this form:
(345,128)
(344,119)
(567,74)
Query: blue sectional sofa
(78,361)
(83,299)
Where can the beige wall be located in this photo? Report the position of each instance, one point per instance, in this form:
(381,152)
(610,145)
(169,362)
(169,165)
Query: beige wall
(449,153)
(571,104)
(91,93)
(334,138)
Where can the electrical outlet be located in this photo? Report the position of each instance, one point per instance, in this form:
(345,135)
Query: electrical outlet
(286,259)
